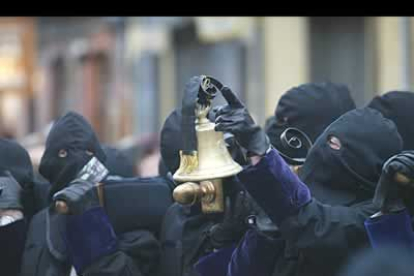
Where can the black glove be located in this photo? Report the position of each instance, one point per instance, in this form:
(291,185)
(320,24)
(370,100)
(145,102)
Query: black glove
(234,223)
(10,193)
(235,118)
(390,190)
(80,196)
(192,87)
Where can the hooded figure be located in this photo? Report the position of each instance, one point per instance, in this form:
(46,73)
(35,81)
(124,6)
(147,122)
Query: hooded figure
(309,109)
(16,204)
(322,224)
(71,143)
(398,107)
(57,242)
(188,235)
(345,163)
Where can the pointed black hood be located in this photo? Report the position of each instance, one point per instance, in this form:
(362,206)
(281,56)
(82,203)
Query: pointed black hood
(310,108)
(349,174)
(72,134)
(398,106)
(16,159)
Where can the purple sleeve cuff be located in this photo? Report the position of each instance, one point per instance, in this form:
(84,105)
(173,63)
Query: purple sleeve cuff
(255,255)
(215,263)
(89,236)
(394,229)
(273,185)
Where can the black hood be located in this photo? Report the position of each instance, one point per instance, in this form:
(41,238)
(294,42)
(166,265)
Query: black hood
(398,107)
(118,163)
(310,108)
(350,174)
(15,158)
(171,143)
(73,134)
(171,137)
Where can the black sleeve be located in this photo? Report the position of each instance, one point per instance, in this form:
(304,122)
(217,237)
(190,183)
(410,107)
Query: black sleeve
(138,255)
(12,240)
(326,232)
(322,233)
(97,250)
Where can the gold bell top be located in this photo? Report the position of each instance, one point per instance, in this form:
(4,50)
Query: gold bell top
(212,159)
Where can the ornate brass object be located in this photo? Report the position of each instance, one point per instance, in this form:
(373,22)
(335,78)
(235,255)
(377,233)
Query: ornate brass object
(208,166)
(189,193)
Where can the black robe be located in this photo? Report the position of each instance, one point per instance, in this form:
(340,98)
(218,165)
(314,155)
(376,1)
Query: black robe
(317,235)
(137,254)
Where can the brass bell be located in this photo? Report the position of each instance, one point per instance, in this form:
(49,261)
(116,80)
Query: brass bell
(209,165)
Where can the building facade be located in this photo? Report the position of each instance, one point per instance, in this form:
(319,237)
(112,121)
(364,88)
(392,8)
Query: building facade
(127,74)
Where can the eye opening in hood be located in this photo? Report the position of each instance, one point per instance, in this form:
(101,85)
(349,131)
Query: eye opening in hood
(62,153)
(281,121)
(334,142)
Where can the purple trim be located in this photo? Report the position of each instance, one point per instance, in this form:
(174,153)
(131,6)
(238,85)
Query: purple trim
(393,229)
(255,255)
(215,263)
(278,191)
(89,236)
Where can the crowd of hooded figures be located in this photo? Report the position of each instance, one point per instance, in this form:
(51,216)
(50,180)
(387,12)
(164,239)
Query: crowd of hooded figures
(326,189)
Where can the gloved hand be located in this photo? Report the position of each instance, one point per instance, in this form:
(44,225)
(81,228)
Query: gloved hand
(388,194)
(235,118)
(80,196)
(188,106)
(10,193)
(234,223)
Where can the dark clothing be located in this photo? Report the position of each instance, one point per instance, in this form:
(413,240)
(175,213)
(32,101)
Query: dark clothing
(136,230)
(184,239)
(310,108)
(314,240)
(41,195)
(136,253)
(317,238)
(87,240)
(350,174)
(171,141)
(12,239)
(398,107)
(118,163)
(71,143)
(15,159)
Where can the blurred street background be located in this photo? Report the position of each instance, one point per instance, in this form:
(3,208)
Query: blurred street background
(126,74)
